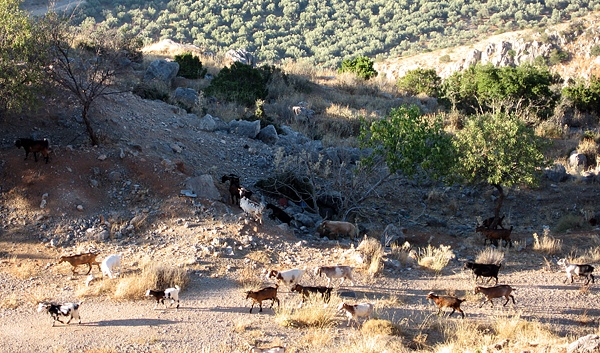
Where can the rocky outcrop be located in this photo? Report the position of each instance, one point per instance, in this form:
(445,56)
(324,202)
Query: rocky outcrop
(161,70)
(240,55)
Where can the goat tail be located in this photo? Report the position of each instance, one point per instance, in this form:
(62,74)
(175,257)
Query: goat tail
(177,287)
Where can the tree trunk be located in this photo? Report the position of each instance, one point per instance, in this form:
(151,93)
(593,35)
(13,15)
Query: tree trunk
(494,224)
(88,125)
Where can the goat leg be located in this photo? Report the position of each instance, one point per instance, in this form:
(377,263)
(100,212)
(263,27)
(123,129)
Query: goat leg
(251,307)
(90,268)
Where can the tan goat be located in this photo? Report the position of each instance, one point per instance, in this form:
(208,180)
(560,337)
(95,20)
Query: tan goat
(81,259)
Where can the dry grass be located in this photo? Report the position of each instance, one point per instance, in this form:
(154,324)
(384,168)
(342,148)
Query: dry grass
(11,301)
(372,250)
(24,269)
(590,149)
(376,327)
(262,257)
(402,253)
(547,244)
(312,314)
(435,259)
(248,280)
(490,256)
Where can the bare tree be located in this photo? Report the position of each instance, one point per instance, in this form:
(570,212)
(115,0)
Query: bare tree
(88,62)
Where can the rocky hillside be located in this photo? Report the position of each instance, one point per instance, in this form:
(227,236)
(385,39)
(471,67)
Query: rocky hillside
(512,48)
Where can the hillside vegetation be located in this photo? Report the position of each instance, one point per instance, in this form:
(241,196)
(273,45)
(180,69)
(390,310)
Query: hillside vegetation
(326,32)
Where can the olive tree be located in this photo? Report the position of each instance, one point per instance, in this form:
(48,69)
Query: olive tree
(22,52)
(499,150)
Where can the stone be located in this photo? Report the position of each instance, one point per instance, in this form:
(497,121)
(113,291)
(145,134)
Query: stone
(268,135)
(115,176)
(204,187)
(161,70)
(392,234)
(245,128)
(207,123)
(585,344)
(186,96)
(240,55)
(577,160)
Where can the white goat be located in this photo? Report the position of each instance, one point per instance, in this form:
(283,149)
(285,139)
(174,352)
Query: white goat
(274,349)
(356,311)
(251,207)
(110,264)
(577,270)
(331,272)
(289,277)
(171,294)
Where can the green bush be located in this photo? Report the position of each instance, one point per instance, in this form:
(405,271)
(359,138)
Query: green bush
(595,50)
(445,58)
(420,81)
(557,57)
(585,96)
(362,66)
(241,83)
(190,66)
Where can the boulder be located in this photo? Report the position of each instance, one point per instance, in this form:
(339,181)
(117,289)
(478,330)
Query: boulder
(204,187)
(556,173)
(268,135)
(392,234)
(186,96)
(585,344)
(245,128)
(161,70)
(240,55)
(577,160)
(207,123)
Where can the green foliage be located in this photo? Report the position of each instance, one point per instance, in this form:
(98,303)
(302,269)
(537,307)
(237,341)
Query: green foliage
(445,58)
(241,83)
(151,92)
(410,143)
(498,149)
(557,57)
(485,87)
(420,81)
(22,55)
(190,66)
(361,66)
(595,50)
(585,96)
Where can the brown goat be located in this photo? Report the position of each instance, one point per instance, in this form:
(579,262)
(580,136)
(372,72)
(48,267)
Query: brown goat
(269,293)
(490,293)
(487,223)
(81,259)
(447,301)
(30,145)
(495,234)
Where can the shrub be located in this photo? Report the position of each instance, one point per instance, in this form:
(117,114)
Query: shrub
(190,66)
(445,58)
(590,149)
(361,66)
(557,57)
(585,95)
(595,50)
(372,250)
(241,83)
(152,91)
(490,256)
(419,81)
(312,314)
(569,222)
(376,327)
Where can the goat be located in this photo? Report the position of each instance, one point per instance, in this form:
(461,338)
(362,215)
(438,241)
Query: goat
(577,270)
(356,311)
(171,294)
(483,270)
(56,310)
(80,259)
(335,228)
(269,293)
(274,349)
(34,146)
(447,301)
(487,223)
(490,293)
(110,264)
(234,185)
(307,291)
(331,272)
(288,277)
(251,207)
(494,234)
(279,214)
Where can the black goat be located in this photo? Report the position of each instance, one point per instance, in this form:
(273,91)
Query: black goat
(307,291)
(30,145)
(279,214)
(56,310)
(487,223)
(234,186)
(483,270)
